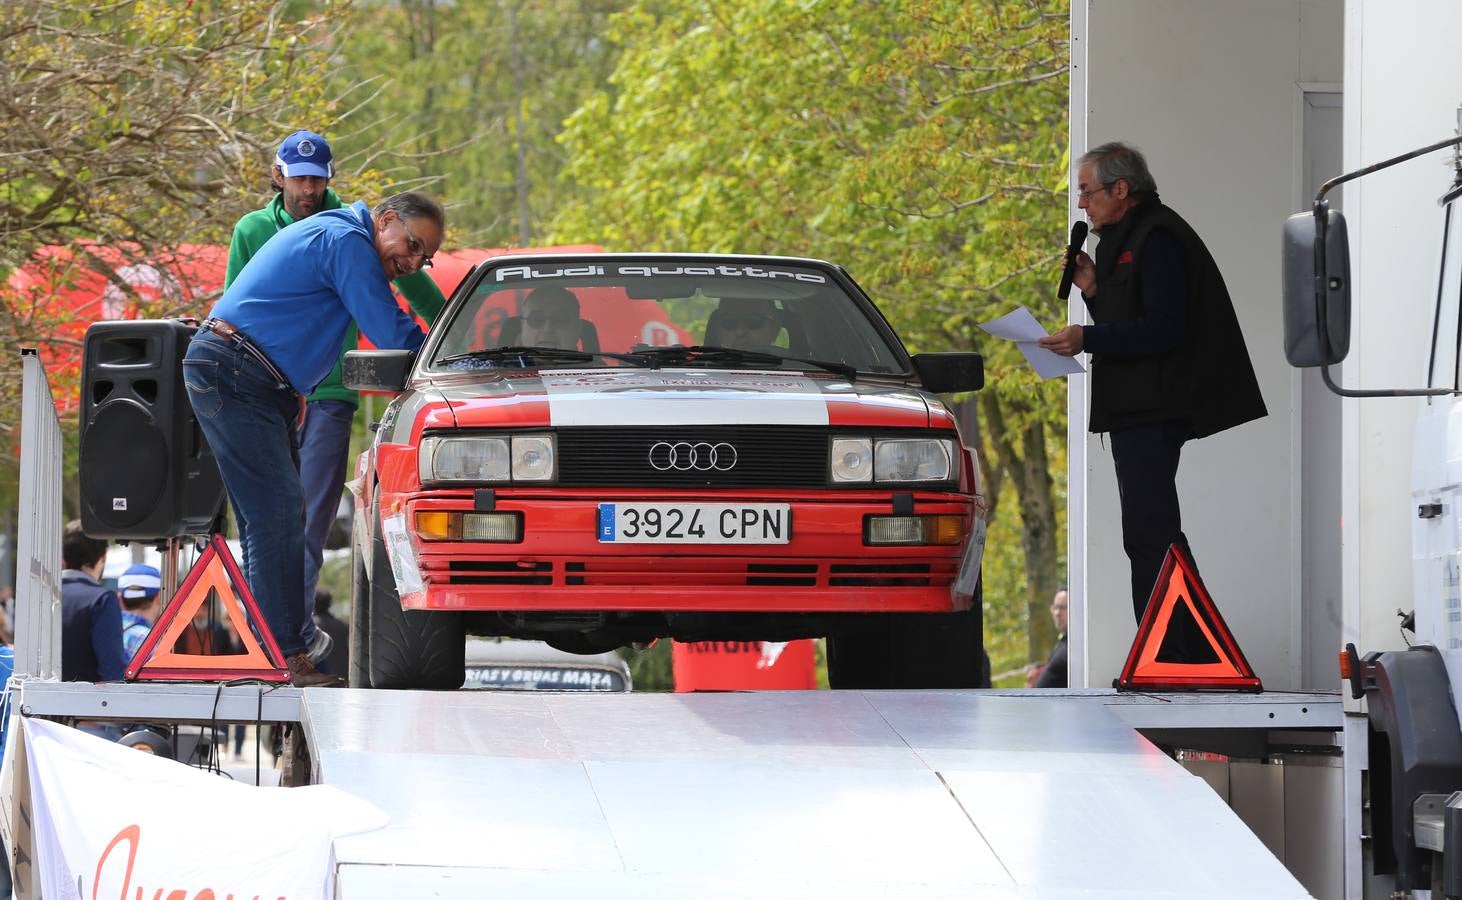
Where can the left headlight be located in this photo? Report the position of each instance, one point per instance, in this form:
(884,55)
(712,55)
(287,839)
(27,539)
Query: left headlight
(487,460)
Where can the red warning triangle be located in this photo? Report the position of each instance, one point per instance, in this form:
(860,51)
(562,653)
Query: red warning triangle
(215,571)
(1183,643)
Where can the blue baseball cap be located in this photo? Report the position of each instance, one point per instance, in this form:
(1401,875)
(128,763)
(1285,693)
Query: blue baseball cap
(304,153)
(139,581)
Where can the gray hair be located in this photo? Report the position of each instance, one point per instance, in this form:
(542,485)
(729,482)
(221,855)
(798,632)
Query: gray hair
(413,205)
(1116,161)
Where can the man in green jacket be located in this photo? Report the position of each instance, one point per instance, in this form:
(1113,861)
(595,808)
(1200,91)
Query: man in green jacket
(301,176)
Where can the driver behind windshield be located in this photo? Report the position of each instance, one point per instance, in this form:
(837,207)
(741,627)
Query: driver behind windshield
(550,318)
(747,323)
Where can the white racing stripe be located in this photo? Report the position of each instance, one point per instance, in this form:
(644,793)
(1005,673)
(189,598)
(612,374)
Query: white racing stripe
(679,397)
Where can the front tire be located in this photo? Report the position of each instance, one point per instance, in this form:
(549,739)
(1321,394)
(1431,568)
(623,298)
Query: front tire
(360,612)
(408,649)
(912,651)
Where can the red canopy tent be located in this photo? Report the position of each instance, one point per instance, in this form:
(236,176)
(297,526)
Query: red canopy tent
(61,292)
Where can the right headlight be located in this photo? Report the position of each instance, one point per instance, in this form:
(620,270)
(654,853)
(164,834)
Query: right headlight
(892,460)
(487,460)
(919,459)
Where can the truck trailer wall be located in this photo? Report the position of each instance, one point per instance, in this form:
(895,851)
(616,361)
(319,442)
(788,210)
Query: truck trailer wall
(1213,94)
(1403,83)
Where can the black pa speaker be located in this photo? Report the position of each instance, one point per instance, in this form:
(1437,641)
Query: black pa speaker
(146,471)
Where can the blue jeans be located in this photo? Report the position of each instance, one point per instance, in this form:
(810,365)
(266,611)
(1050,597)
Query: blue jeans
(248,419)
(324,446)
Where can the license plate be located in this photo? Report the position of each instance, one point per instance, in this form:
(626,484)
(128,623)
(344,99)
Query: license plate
(695,523)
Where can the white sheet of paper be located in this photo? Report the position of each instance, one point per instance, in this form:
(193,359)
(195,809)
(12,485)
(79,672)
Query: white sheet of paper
(1046,363)
(1022,328)
(1018,326)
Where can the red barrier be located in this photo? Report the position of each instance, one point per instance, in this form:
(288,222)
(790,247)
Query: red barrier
(744,666)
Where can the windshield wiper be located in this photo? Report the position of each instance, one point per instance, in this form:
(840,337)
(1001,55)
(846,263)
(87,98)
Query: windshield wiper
(660,356)
(544,353)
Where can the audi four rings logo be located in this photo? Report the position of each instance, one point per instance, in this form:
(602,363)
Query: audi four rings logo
(683,456)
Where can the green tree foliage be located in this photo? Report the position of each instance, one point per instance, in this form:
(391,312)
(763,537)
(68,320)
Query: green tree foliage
(132,128)
(467,100)
(138,125)
(921,144)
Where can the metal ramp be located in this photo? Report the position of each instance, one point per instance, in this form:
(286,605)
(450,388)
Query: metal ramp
(797,794)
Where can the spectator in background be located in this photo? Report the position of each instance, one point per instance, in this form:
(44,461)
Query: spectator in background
(7,620)
(91,615)
(207,636)
(1053,672)
(139,588)
(7,668)
(339,659)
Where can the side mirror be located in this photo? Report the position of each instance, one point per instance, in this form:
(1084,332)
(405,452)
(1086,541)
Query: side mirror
(377,370)
(945,373)
(1304,314)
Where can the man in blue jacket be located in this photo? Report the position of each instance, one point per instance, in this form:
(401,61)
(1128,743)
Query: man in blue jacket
(301,176)
(269,341)
(91,615)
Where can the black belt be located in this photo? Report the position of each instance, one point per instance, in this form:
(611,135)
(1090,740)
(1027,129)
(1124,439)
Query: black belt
(228,331)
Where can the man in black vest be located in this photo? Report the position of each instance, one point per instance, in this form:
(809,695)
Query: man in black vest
(1168,361)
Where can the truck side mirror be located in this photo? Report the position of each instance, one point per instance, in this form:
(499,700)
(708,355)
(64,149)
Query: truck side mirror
(1303,312)
(377,370)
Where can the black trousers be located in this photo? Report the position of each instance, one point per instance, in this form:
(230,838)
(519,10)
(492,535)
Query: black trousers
(1147,458)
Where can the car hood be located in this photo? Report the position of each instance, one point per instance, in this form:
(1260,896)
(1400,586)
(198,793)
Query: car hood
(561,398)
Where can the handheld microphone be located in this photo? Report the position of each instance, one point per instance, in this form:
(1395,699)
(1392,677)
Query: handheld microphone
(1078,237)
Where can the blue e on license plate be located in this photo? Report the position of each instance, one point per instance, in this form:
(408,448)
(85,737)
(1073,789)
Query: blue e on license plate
(695,523)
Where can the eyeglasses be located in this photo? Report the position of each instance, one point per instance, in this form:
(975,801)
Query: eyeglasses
(748,322)
(416,248)
(1086,195)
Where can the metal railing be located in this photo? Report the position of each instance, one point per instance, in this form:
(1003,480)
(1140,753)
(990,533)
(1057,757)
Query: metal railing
(38,570)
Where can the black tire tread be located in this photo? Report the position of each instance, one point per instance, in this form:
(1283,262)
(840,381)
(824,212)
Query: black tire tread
(360,611)
(409,649)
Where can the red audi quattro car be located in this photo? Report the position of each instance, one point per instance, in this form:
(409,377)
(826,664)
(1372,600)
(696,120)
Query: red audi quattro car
(599,449)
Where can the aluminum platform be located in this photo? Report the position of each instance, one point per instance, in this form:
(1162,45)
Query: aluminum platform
(1030,794)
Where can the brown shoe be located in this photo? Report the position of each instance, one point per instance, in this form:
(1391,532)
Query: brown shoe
(302,673)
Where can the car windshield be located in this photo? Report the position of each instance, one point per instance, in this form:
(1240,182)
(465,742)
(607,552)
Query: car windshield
(614,312)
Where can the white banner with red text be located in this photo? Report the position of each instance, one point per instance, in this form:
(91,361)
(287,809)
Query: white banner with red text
(113,822)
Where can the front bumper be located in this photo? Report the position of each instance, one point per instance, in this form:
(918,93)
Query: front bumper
(560,565)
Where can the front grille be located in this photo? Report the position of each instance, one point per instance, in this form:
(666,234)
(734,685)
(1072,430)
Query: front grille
(782,574)
(765,456)
(876,575)
(500,572)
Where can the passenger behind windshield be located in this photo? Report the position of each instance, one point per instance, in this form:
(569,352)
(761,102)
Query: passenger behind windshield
(550,318)
(745,323)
